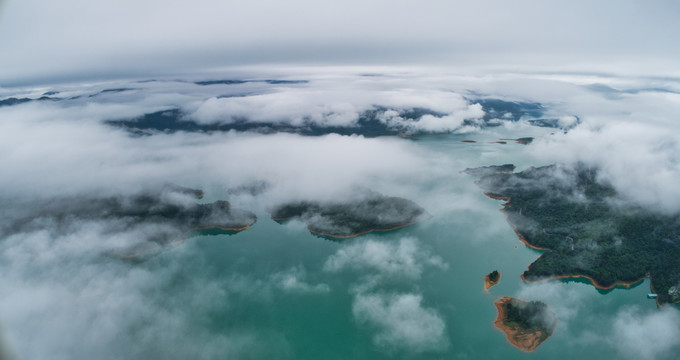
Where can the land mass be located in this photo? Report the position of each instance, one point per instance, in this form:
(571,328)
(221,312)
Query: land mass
(491,279)
(488,170)
(575,218)
(155,218)
(527,324)
(368,213)
(372,122)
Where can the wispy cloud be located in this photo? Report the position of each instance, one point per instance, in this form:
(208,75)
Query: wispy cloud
(400,321)
(639,334)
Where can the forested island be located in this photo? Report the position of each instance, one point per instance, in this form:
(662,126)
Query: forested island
(368,213)
(488,170)
(586,231)
(491,279)
(527,324)
(156,217)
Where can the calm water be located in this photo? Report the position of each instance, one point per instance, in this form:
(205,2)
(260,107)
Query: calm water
(278,292)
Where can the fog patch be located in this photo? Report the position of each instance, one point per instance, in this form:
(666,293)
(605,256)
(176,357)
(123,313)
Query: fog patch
(401,322)
(404,259)
(565,303)
(293,280)
(399,319)
(639,334)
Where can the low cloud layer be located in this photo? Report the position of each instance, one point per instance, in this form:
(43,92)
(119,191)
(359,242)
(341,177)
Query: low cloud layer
(632,140)
(294,280)
(640,334)
(404,259)
(401,323)
(58,284)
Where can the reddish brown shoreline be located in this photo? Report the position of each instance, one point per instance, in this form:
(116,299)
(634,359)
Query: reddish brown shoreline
(497,197)
(531,340)
(557,277)
(360,233)
(626,284)
(353,235)
(186,236)
(488,283)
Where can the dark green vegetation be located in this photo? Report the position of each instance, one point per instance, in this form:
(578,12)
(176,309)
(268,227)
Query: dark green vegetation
(174,120)
(524,140)
(371,123)
(488,170)
(496,111)
(158,217)
(16,101)
(576,217)
(373,212)
(238,82)
(530,316)
(494,276)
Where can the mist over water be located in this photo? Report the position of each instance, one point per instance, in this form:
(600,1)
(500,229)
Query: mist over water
(276,290)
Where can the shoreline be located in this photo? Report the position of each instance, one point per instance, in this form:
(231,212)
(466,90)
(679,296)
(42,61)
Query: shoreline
(626,284)
(186,237)
(512,334)
(497,197)
(356,234)
(488,283)
(359,233)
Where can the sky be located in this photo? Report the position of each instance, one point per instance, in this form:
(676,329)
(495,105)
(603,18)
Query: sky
(79,39)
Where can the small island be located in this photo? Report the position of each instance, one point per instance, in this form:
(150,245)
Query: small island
(522,140)
(527,324)
(491,279)
(368,212)
(489,170)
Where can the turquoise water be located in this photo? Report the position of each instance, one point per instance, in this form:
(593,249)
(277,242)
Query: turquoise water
(273,292)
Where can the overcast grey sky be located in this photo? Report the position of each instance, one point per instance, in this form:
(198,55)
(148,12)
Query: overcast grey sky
(80,39)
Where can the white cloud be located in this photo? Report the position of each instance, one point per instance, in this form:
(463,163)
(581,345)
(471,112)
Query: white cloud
(560,297)
(80,305)
(403,259)
(85,156)
(401,322)
(293,280)
(340,102)
(635,146)
(646,335)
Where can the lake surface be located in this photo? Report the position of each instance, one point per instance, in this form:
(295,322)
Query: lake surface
(277,291)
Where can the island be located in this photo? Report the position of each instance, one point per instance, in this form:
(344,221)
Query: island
(527,324)
(488,170)
(363,214)
(522,140)
(491,279)
(178,220)
(137,223)
(584,230)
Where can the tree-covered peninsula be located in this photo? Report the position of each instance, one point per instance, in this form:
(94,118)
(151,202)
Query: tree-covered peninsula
(587,231)
(344,219)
